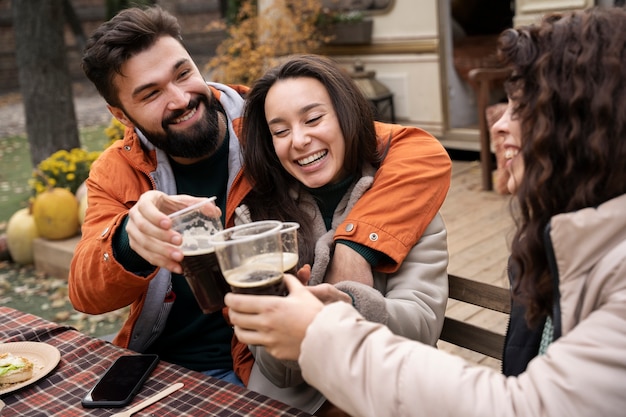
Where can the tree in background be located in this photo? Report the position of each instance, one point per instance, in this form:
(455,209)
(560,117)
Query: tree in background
(258,39)
(44,77)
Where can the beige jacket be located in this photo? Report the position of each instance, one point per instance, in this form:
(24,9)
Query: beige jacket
(369,371)
(411,301)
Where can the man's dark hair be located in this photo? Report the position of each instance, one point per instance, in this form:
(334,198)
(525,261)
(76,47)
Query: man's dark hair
(128,33)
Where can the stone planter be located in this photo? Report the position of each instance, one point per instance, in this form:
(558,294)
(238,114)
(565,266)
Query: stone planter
(349,33)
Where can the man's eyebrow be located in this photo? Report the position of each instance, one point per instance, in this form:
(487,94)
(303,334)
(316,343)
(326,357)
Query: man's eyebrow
(146,86)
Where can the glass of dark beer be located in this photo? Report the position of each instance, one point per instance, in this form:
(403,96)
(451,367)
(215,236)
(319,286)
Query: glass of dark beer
(251,257)
(196,224)
(289,239)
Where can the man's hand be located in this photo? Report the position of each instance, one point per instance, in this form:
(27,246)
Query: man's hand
(278,323)
(149,228)
(348,265)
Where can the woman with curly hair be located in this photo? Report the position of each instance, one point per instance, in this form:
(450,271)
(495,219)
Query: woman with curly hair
(565,131)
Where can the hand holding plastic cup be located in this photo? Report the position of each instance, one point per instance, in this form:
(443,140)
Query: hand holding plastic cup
(251,257)
(196,224)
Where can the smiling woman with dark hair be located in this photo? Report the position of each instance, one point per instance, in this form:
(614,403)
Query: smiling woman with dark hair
(312,149)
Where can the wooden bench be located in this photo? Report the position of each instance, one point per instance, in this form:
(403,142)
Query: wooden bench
(470,336)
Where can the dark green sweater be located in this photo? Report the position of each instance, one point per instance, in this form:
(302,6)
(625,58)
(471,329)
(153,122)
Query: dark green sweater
(327,198)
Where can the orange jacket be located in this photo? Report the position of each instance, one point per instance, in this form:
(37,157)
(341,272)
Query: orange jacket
(409,189)
(98,283)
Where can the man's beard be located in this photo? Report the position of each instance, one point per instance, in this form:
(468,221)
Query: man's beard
(199,140)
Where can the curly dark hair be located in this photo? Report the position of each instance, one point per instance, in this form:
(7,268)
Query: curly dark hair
(568,85)
(270,197)
(128,33)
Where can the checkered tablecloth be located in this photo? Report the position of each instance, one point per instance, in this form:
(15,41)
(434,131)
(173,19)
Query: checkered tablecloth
(84,359)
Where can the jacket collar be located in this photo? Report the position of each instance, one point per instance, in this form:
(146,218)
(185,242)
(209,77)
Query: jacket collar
(581,238)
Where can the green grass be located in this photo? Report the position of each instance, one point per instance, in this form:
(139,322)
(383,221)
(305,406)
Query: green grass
(17,169)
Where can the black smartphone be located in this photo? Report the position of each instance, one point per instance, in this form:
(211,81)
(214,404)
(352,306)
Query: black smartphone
(119,384)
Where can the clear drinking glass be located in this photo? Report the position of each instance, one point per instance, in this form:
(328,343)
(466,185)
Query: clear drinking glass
(251,257)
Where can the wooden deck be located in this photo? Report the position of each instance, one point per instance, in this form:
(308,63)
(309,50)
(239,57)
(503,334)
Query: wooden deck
(479,228)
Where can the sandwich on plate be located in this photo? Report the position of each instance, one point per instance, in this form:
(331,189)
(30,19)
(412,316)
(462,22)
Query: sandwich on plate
(14,369)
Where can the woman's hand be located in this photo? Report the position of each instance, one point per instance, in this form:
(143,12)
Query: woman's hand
(327,293)
(304,274)
(278,323)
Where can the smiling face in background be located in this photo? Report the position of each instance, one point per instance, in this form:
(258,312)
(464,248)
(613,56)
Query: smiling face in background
(508,126)
(164,95)
(305,131)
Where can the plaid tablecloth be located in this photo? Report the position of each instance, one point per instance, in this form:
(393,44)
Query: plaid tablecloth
(84,359)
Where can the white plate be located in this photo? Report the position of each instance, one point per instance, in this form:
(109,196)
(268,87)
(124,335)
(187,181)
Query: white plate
(44,357)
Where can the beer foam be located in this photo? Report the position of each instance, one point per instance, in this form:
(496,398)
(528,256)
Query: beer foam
(196,243)
(252,275)
(197,251)
(290,260)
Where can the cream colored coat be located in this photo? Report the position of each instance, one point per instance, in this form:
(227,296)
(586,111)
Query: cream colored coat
(411,301)
(369,371)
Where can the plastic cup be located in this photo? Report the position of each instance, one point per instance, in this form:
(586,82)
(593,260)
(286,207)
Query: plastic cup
(197,223)
(251,257)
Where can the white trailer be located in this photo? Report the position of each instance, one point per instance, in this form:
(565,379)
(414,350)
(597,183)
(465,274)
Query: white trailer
(413,53)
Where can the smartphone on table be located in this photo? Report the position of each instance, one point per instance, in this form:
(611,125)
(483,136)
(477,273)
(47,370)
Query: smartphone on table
(121,381)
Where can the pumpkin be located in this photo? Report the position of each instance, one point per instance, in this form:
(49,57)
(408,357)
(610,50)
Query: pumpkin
(21,231)
(56,214)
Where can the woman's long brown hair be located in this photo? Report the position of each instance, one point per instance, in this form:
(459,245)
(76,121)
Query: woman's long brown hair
(569,87)
(270,197)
